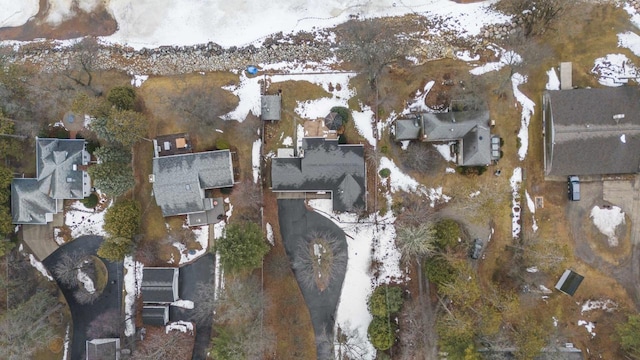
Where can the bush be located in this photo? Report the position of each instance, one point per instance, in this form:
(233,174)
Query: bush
(242,247)
(382,333)
(222,144)
(115,249)
(439,270)
(122,97)
(384,173)
(343,112)
(385,300)
(342,139)
(123,219)
(447,233)
(471,170)
(384,149)
(90,201)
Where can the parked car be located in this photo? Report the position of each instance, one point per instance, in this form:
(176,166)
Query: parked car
(573,188)
(476,249)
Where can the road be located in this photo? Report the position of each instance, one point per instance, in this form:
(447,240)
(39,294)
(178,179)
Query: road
(82,315)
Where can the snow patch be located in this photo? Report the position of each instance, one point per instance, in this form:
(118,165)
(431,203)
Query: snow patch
(507,58)
(614,70)
(605,305)
(607,220)
(418,104)
(202,238)
(255,160)
(85,221)
(86,281)
(527,110)
(515,181)
(589,326)
(445,151)
(138,80)
(363,121)
(185,304)
(182,326)
(288,141)
(132,285)
(623,138)
(270,238)
(17,13)
(554,82)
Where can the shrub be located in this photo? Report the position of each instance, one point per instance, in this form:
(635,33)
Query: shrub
(90,201)
(384,149)
(447,233)
(439,270)
(122,97)
(384,173)
(222,144)
(343,112)
(242,247)
(342,139)
(123,219)
(381,333)
(385,300)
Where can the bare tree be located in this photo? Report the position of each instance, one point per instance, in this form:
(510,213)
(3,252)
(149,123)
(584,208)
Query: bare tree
(205,303)
(415,211)
(240,300)
(203,104)
(247,195)
(66,270)
(322,258)
(105,325)
(417,338)
(85,297)
(85,54)
(160,345)
(422,157)
(536,16)
(370,46)
(348,344)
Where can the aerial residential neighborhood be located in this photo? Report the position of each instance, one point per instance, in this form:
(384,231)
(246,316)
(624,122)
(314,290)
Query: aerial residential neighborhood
(423,179)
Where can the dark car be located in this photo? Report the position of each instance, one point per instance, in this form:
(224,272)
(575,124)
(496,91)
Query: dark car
(476,249)
(573,184)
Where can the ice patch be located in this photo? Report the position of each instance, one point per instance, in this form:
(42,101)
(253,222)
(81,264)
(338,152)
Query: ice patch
(607,220)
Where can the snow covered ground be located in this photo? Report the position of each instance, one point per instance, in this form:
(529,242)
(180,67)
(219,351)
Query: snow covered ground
(255,160)
(202,238)
(84,221)
(605,305)
(527,110)
(132,284)
(181,326)
(86,281)
(516,206)
(16,13)
(506,58)
(403,182)
(614,70)
(607,220)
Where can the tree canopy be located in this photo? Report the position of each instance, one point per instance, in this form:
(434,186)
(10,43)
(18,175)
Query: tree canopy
(112,178)
(385,301)
(628,334)
(123,219)
(122,97)
(242,247)
(125,127)
(115,248)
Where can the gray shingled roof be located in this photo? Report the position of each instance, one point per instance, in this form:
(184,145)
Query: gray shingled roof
(407,129)
(155,315)
(159,285)
(56,179)
(30,203)
(56,158)
(326,166)
(582,136)
(270,107)
(103,349)
(180,180)
(472,127)
(569,282)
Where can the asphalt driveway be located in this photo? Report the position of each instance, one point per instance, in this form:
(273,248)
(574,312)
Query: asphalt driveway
(200,271)
(296,222)
(111,297)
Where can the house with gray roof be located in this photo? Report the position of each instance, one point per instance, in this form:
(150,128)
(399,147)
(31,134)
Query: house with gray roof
(179,184)
(469,129)
(155,315)
(60,174)
(103,349)
(159,285)
(591,132)
(324,167)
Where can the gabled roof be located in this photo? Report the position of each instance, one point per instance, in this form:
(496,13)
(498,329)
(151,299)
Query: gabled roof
(407,129)
(324,166)
(155,315)
(592,131)
(29,203)
(569,282)
(55,167)
(159,285)
(180,180)
(58,177)
(103,349)
(270,106)
(476,146)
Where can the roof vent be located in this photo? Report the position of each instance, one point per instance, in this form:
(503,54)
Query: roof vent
(188,187)
(75,167)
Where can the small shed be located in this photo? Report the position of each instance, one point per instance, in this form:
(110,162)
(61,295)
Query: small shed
(569,282)
(159,285)
(156,315)
(103,349)
(270,106)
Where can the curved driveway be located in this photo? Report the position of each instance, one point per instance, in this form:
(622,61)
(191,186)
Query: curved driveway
(110,298)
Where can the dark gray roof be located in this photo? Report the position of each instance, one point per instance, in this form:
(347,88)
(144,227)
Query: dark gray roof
(584,138)
(56,159)
(325,166)
(103,349)
(407,129)
(180,180)
(270,107)
(155,315)
(159,285)
(569,282)
(472,127)
(333,121)
(30,203)
(56,179)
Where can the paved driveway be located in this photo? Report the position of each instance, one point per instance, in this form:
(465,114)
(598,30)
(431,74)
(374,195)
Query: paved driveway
(110,298)
(296,222)
(200,271)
